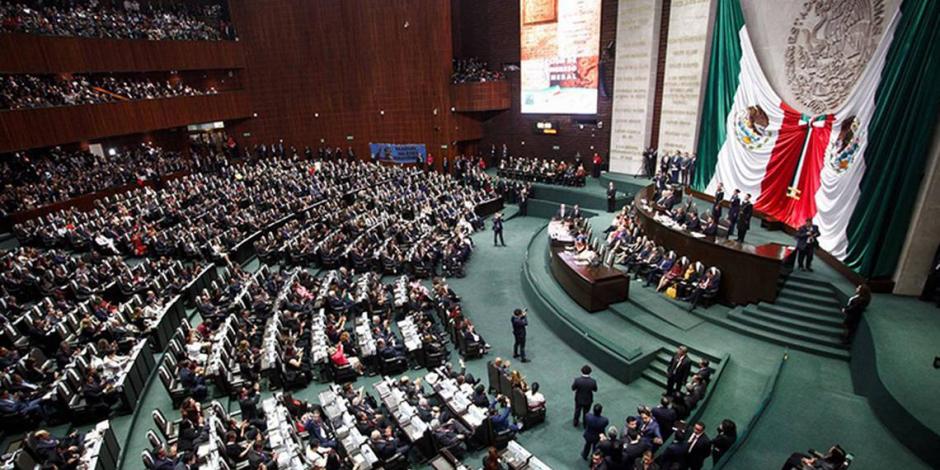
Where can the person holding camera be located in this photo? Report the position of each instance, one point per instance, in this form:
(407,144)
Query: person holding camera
(498,230)
(519,324)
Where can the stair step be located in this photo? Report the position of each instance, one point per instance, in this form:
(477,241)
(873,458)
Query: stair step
(658,367)
(825,291)
(656,379)
(813,348)
(807,279)
(830,319)
(805,306)
(796,324)
(813,299)
(782,330)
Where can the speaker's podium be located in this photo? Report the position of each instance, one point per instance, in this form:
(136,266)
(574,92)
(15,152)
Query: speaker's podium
(594,286)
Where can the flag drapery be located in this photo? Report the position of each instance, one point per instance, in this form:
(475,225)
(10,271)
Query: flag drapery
(798,166)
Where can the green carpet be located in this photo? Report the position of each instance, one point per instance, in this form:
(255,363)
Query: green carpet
(815,404)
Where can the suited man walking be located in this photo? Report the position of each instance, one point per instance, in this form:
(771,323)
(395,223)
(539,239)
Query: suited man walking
(519,324)
(584,388)
(498,230)
(699,447)
(678,371)
(594,426)
(744,221)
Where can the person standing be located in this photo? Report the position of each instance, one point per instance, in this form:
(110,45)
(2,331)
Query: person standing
(806,238)
(430,163)
(611,197)
(687,167)
(594,426)
(727,435)
(678,371)
(523,202)
(498,229)
(519,324)
(596,165)
(700,447)
(719,198)
(852,311)
(584,388)
(744,220)
(734,210)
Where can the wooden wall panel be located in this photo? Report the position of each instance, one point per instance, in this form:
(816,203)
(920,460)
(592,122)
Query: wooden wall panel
(31,128)
(26,53)
(481,96)
(489,30)
(326,69)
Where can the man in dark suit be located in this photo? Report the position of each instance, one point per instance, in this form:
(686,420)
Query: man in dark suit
(634,448)
(744,221)
(576,212)
(584,388)
(705,370)
(519,324)
(498,229)
(665,416)
(719,197)
(734,209)
(258,458)
(806,238)
(611,197)
(594,426)
(611,447)
(678,371)
(711,227)
(727,435)
(700,447)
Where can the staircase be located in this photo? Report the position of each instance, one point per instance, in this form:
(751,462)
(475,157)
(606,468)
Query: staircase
(806,316)
(656,372)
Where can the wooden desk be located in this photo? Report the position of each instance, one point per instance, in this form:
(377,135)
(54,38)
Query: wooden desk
(592,288)
(749,273)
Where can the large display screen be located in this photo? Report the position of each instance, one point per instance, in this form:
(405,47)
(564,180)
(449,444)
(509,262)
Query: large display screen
(560,40)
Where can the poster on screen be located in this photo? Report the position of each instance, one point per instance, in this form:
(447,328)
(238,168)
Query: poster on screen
(560,44)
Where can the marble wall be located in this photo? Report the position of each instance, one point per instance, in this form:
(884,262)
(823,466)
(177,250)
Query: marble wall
(687,46)
(637,52)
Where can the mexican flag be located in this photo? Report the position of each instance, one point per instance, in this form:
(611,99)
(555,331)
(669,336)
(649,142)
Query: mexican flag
(794,164)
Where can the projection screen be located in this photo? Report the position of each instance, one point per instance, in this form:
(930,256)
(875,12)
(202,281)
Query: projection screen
(559,43)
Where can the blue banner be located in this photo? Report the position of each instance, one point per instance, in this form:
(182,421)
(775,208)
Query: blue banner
(399,153)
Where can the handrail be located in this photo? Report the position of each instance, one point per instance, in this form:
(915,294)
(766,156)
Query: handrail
(769,391)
